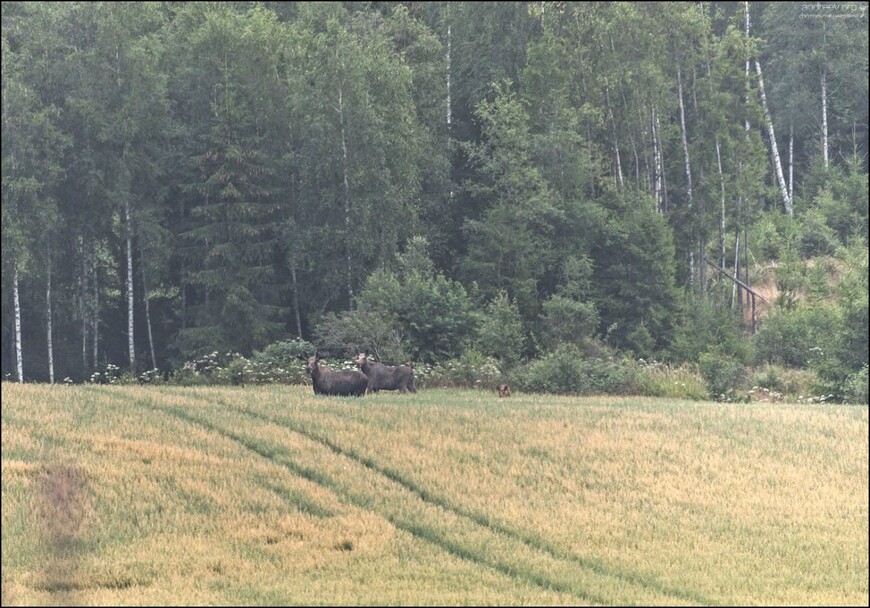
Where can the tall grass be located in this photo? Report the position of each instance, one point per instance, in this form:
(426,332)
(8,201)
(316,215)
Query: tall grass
(270,495)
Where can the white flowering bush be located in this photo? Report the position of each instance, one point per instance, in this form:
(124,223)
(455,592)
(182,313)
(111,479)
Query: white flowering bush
(236,370)
(471,370)
(110,375)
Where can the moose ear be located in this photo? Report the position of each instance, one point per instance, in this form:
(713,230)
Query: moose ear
(302,356)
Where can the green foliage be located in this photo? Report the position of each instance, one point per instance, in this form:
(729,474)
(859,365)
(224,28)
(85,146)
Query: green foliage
(232,369)
(471,370)
(280,360)
(796,337)
(511,244)
(566,371)
(795,384)
(725,376)
(500,333)
(426,181)
(571,315)
(414,315)
(704,324)
(283,352)
(769,234)
(829,337)
(634,273)
(816,237)
(845,350)
(438,315)
(790,270)
(855,389)
(569,321)
(658,379)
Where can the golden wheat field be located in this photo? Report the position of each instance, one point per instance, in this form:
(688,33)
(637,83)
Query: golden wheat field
(270,495)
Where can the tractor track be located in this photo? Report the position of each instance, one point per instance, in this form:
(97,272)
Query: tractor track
(422,532)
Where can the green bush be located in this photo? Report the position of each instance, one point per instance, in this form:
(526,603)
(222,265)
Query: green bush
(816,237)
(768,231)
(280,362)
(501,334)
(471,370)
(283,352)
(855,389)
(234,369)
(568,320)
(566,371)
(778,383)
(796,337)
(657,379)
(707,324)
(725,376)
(413,316)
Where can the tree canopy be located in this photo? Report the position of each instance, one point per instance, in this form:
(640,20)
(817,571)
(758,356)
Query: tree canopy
(424,178)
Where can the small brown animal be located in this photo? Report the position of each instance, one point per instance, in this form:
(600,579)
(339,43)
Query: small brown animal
(504,390)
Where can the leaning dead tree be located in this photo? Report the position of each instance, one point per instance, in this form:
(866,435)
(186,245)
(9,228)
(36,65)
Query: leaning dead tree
(751,294)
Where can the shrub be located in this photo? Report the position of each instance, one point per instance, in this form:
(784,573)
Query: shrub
(795,337)
(471,370)
(416,316)
(855,389)
(501,334)
(234,369)
(724,375)
(657,379)
(816,237)
(788,382)
(151,376)
(704,325)
(280,361)
(568,320)
(566,371)
(111,375)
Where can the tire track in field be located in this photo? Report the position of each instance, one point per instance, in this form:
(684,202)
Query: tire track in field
(422,532)
(483,520)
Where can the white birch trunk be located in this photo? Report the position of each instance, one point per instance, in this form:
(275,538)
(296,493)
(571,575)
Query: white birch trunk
(19,360)
(746,32)
(662,161)
(619,179)
(691,268)
(296,301)
(736,265)
(722,252)
(344,167)
(791,162)
(777,164)
(684,138)
(449,66)
(657,162)
(825,117)
(85,309)
(48,317)
(636,163)
(130,342)
(95,317)
(147,308)
(722,205)
(685,141)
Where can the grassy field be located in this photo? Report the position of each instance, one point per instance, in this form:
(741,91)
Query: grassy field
(167,495)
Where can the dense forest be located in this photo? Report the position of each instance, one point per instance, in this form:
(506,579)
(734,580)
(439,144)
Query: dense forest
(531,184)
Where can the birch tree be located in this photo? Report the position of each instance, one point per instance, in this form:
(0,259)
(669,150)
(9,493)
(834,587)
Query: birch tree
(32,146)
